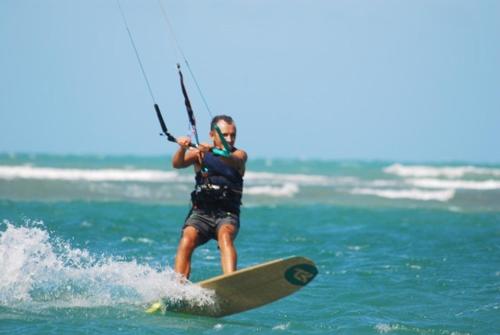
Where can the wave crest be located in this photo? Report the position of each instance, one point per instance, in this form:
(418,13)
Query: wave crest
(414,194)
(44,173)
(439,171)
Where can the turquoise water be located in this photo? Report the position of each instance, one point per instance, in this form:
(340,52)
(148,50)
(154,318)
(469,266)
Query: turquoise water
(87,242)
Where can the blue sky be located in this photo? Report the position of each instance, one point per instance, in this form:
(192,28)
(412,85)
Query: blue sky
(394,80)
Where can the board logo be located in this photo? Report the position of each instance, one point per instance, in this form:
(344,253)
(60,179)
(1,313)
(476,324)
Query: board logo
(301,274)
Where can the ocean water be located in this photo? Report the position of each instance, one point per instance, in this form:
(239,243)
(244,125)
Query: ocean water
(86,242)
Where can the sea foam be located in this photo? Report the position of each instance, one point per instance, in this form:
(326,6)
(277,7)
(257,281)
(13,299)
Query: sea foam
(439,171)
(482,185)
(41,271)
(45,173)
(302,179)
(286,190)
(146,175)
(414,194)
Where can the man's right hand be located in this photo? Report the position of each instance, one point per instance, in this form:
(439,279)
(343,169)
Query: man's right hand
(184,158)
(184,142)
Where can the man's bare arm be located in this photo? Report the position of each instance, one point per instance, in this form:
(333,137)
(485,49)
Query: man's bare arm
(184,157)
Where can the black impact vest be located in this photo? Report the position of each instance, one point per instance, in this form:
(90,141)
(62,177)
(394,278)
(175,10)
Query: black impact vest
(219,187)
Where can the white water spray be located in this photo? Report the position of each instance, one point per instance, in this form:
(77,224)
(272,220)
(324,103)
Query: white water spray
(38,270)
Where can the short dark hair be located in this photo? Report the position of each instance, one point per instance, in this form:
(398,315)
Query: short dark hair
(216,119)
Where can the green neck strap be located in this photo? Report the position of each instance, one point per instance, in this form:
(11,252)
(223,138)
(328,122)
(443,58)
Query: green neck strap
(221,152)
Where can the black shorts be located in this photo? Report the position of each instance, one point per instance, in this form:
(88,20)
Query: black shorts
(208,223)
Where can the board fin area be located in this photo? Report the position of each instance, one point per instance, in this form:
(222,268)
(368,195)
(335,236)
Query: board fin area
(248,288)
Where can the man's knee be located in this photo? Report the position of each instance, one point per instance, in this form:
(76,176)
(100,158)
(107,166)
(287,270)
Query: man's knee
(226,234)
(189,238)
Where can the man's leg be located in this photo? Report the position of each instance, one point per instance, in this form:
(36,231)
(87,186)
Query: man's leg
(187,244)
(228,255)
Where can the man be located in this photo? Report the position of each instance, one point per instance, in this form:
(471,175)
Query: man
(216,199)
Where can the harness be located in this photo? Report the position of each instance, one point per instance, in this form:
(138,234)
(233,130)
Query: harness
(218,186)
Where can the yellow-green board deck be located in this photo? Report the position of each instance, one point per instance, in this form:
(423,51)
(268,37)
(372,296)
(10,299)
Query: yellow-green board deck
(251,287)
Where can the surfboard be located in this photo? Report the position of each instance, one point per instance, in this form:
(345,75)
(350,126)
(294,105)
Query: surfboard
(249,288)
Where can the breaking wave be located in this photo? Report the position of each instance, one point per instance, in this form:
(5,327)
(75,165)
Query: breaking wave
(396,181)
(482,185)
(439,171)
(286,190)
(414,194)
(146,175)
(45,173)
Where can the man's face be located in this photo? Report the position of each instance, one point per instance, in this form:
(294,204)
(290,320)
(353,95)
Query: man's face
(228,130)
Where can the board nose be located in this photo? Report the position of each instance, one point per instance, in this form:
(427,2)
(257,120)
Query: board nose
(301,274)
